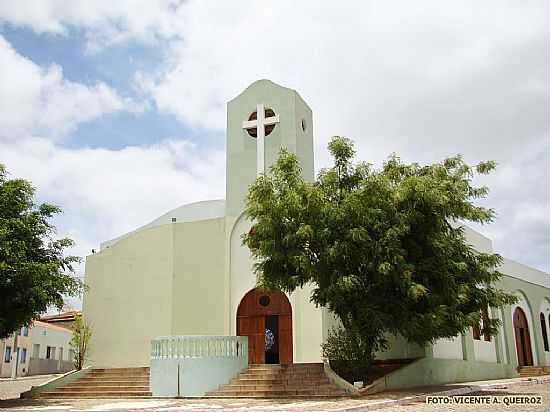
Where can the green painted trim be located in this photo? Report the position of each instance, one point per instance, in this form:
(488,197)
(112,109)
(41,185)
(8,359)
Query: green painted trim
(56,382)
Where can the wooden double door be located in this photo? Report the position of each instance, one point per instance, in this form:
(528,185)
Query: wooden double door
(523,339)
(266,318)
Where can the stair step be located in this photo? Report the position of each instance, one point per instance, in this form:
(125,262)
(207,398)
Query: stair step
(527,371)
(226,396)
(106,383)
(102,388)
(114,381)
(280,381)
(94,394)
(272,393)
(245,387)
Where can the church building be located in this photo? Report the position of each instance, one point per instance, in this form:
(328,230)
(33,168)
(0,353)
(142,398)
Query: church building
(187,273)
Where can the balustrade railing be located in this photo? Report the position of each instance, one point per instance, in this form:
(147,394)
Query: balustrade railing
(180,347)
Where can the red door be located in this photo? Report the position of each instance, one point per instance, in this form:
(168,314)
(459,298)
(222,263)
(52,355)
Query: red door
(523,339)
(253,310)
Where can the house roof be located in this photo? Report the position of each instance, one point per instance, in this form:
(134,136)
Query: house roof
(50,326)
(60,317)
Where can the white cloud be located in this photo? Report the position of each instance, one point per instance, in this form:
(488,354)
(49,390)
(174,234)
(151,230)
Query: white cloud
(425,81)
(106,22)
(36,100)
(105,193)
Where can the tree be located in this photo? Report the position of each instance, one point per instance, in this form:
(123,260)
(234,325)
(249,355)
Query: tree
(34,273)
(82,333)
(382,248)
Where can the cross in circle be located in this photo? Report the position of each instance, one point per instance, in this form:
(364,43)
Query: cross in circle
(258,125)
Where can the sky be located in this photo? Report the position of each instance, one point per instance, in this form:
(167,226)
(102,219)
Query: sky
(115,110)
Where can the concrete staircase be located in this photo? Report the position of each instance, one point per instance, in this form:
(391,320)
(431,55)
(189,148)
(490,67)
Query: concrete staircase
(306,380)
(106,383)
(528,371)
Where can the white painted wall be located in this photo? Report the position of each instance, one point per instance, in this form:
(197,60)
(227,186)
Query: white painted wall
(448,348)
(526,273)
(192,212)
(53,336)
(477,240)
(485,351)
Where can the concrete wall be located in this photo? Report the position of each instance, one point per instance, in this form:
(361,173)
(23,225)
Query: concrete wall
(46,366)
(432,371)
(198,289)
(193,376)
(129,300)
(448,348)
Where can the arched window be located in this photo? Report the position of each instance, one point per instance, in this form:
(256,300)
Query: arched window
(476,332)
(544,332)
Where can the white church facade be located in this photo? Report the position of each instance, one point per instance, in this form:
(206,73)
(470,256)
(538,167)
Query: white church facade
(187,273)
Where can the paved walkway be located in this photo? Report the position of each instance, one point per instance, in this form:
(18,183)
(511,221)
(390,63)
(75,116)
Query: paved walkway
(11,388)
(402,401)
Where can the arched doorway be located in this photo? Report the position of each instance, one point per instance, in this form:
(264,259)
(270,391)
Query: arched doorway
(523,339)
(266,318)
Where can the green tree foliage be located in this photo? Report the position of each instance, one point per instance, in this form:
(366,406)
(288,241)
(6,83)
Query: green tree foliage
(82,333)
(34,273)
(381,247)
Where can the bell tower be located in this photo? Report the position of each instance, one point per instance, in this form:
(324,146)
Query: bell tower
(261,120)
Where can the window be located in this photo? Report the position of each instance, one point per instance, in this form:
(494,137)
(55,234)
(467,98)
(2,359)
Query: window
(544,332)
(50,352)
(23,355)
(476,332)
(25,331)
(7,355)
(268,128)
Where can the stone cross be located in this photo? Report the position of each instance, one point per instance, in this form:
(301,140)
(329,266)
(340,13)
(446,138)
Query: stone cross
(259,124)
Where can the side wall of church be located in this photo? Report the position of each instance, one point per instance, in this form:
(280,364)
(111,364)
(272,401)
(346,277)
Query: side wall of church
(199,287)
(533,299)
(129,300)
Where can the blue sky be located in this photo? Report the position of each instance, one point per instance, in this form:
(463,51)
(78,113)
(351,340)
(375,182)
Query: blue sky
(116,67)
(116,110)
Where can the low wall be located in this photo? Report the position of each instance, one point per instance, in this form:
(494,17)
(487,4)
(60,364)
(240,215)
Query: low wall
(192,377)
(194,365)
(56,383)
(38,366)
(434,371)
